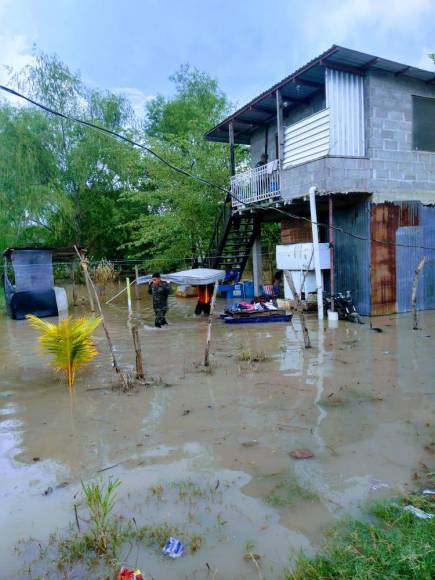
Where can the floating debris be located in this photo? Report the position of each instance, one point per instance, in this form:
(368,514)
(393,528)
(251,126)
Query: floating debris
(173,548)
(301,454)
(418,513)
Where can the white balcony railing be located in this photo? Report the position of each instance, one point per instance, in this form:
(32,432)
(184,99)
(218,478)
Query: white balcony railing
(257,184)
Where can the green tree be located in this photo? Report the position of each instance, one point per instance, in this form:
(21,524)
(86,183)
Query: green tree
(29,191)
(84,173)
(180,212)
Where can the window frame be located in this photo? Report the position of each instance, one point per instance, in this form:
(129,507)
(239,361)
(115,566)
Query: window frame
(415,98)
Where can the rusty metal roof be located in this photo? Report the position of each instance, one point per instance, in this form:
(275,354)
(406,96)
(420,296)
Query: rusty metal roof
(301,85)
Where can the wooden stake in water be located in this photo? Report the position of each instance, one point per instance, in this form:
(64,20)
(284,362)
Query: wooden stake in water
(299,308)
(103,322)
(136,287)
(140,373)
(414,291)
(210,320)
(127,281)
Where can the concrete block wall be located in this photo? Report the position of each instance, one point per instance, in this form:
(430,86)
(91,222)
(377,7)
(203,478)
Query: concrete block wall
(391,169)
(329,174)
(395,168)
(295,231)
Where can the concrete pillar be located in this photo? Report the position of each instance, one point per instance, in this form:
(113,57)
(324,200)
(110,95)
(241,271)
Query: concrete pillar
(257,265)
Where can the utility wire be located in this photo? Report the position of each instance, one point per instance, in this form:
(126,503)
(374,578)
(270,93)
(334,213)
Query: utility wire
(202,179)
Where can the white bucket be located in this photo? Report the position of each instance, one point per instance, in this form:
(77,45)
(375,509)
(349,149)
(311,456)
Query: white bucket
(61,299)
(332,316)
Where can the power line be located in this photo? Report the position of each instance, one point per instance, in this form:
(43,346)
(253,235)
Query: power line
(201,179)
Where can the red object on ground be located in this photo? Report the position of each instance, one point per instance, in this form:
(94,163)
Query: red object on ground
(301,454)
(127,574)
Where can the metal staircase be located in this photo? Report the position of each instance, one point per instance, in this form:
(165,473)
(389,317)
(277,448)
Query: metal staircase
(232,240)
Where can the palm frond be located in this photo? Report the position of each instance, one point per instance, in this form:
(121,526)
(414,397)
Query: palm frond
(69,342)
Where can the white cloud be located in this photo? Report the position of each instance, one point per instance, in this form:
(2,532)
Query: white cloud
(136,97)
(399,15)
(16,52)
(425,61)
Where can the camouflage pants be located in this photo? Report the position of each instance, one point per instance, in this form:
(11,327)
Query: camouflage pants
(161,316)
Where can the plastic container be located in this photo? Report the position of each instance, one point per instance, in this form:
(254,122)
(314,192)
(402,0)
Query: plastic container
(61,299)
(238,291)
(332,315)
(248,288)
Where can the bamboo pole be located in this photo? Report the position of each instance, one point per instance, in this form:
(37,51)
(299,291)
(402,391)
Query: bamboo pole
(119,293)
(84,264)
(210,320)
(127,280)
(299,308)
(414,291)
(106,330)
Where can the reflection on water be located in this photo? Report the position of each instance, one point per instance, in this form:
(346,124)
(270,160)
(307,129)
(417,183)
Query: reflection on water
(361,401)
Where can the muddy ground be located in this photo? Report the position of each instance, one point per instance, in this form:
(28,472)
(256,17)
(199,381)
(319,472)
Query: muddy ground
(360,400)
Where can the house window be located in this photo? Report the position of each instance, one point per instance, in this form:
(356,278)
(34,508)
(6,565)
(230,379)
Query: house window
(423,123)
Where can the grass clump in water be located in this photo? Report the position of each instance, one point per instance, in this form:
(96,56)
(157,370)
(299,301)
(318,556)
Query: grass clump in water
(286,494)
(251,356)
(100,539)
(394,544)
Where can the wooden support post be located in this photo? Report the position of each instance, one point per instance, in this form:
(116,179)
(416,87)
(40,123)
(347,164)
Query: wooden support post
(299,308)
(210,320)
(232,154)
(136,286)
(103,322)
(414,291)
(279,124)
(140,373)
(331,251)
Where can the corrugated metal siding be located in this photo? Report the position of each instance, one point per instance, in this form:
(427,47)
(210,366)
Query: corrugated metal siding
(407,259)
(352,256)
(306,140)
(384,224)
(345,98)
(408,256)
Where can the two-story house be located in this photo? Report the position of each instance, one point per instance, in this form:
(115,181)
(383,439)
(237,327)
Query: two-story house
(361,129)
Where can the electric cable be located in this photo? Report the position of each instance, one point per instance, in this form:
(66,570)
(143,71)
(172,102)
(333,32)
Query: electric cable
(201,179)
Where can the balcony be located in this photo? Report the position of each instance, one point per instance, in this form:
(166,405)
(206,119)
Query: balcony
(256,185)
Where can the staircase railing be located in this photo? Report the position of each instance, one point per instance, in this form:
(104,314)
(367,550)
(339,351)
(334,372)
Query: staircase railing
(218,236)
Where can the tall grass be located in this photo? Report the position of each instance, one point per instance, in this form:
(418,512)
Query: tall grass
(394,545)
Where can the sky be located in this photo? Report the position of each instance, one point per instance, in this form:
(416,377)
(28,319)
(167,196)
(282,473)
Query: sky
(133,46)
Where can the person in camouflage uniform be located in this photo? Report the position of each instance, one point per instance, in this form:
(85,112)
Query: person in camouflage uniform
(160,292)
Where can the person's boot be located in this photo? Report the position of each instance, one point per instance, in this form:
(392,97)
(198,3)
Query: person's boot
(157,324)
(164,322)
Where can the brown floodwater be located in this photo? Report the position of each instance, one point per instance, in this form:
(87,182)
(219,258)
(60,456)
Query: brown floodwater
(360,400)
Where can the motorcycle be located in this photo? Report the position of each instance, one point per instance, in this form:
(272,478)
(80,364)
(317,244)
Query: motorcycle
(343,305)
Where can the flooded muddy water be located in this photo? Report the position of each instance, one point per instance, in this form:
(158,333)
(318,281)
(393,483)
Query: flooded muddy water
(360,401)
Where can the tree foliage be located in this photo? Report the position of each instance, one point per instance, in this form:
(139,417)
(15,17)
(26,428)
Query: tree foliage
(180,212)
(62,183)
